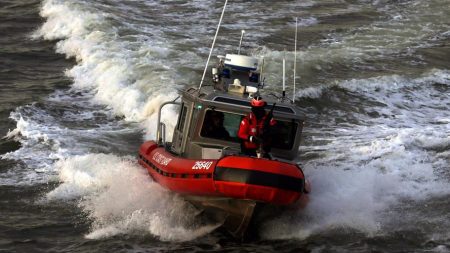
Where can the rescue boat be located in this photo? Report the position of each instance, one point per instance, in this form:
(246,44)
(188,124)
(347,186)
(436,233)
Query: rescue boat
(208,169)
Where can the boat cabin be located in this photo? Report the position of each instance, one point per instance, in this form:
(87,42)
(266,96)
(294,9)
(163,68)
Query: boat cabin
(210,115)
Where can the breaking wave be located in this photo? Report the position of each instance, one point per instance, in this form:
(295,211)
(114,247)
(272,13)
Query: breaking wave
(395,148)
(123,73)
(120,198)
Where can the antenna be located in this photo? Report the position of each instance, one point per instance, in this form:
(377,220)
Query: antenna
(261,74)
(295,59)
(284,74)
(212,46)
(240,42)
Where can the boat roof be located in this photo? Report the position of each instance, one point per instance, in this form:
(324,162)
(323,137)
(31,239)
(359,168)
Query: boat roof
(208,95)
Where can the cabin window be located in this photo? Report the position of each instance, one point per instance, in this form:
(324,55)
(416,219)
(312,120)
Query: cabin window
(225,126)
(283,135)
(221,125)
(182,118)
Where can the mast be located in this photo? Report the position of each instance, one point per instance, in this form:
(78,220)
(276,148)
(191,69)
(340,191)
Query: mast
(240,42)
(295,59)
(284,74)
(212,46)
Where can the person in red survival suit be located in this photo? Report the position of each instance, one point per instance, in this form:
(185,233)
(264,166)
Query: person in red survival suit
(255,128)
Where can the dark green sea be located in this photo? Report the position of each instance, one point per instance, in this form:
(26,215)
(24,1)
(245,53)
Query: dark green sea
(81,82)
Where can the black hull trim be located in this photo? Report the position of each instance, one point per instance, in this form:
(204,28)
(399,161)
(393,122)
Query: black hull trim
(259,178)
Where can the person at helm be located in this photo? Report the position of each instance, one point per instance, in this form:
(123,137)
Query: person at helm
(213,126)
(254,130)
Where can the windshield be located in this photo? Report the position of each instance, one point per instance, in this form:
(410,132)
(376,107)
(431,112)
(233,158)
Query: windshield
(225,126)
(221,125)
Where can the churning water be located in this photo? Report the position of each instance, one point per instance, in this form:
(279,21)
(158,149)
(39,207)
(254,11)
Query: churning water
(81,82)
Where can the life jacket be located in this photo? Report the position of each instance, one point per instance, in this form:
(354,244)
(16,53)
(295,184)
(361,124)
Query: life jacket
(251,126)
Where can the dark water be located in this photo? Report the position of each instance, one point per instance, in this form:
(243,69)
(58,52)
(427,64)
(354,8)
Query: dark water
(80,82)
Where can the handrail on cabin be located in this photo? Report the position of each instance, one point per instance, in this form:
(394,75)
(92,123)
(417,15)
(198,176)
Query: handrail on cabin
(158,131)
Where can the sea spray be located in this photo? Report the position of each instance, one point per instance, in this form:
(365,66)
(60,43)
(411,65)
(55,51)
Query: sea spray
(120,198)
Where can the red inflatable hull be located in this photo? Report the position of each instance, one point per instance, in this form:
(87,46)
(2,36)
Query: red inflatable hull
(236,177)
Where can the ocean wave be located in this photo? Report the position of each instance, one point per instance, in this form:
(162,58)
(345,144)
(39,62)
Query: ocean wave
(363,174)
(117,70)
(375,86)
(120,198)
(378,162)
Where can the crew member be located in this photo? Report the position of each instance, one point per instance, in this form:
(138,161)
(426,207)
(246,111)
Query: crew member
(255,129)
(213,126)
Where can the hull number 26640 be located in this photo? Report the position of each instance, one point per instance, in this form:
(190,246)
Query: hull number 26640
(202,165)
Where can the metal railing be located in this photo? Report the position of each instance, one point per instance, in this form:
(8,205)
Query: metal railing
(161,127)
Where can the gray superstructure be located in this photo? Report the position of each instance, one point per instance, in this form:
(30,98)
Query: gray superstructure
(235,80)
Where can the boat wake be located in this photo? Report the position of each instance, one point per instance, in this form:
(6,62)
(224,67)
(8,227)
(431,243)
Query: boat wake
(373,144)
(120,198)
(395,156)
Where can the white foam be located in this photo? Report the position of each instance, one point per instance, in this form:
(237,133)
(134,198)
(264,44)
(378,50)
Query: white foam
(381,86)
(116,69)
(358,180)
(45,139)
(120,198)
(310,21)
(394,83)
(40,147)
(361,171)
(339,200)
